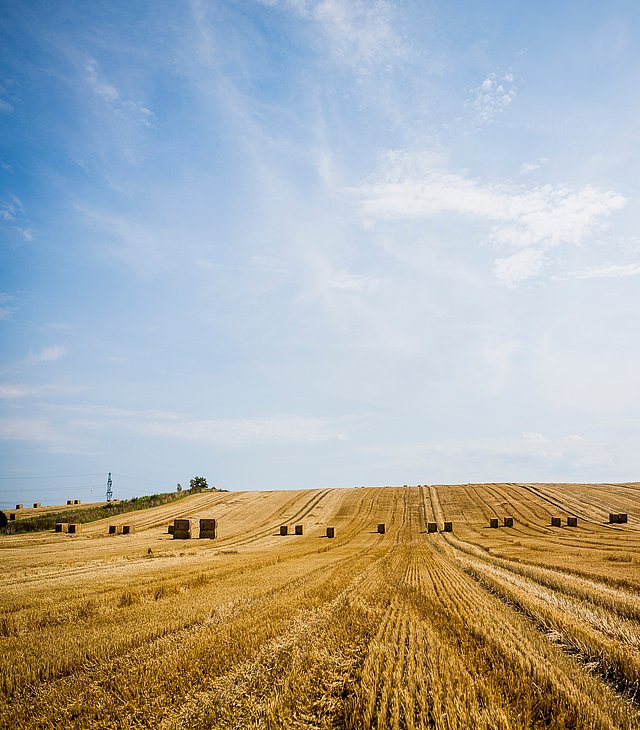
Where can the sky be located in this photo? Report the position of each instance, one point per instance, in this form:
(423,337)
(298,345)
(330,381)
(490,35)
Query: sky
(317,243)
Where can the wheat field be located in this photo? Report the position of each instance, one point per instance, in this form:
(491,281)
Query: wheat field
(530,626)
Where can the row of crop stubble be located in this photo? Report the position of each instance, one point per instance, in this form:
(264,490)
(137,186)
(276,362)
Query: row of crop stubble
(394,631)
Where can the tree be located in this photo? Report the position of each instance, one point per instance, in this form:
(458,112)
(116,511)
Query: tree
(197,484)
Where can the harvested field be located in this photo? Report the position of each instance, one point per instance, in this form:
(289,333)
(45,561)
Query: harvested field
(528,627)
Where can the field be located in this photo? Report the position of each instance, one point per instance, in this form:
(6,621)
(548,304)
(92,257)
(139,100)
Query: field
(528,626)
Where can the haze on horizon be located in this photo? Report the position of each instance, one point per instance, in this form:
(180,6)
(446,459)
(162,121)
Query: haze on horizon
(306,243)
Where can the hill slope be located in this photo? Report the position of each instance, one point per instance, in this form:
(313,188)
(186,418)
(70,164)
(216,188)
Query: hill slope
(504,628)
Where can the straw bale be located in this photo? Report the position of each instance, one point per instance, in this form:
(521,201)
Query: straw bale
(572,521)
(76,501)
(113,530)
(556,521)
(298,529)
(62,527)
(12,515)
(74,528)
(20,506)
(493,522)
(207,524)
(69,501)
(284,530)
(508,521)
(182,524)
(382,528)
(613,517)
(432,527)
(623,517)
(170,529)
(127,529)
(448,526)
(331,531)
(181,534)
(208,534)
(36,505)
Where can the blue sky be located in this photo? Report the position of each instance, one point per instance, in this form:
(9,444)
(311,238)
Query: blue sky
(307,243)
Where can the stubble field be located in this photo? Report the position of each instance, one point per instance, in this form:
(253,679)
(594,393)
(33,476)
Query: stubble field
(517,627)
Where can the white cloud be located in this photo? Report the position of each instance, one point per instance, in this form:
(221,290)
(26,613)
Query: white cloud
(499,357)
(521,266)
(113,97)
(48,354)
(493,96)
(240,431)
(412,187)
(358,33)
(533,437)
(21,390)
(608,271)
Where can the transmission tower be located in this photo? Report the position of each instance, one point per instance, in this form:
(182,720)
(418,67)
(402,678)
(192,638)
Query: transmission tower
(109,488)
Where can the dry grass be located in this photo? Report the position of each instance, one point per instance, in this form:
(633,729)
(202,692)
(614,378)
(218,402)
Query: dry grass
(521,628)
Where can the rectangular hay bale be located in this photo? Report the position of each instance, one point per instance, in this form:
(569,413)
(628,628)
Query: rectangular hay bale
(182,524)
(613,518)
(572,521)
(493,522)
(382,528)
(69,501)
(76,501)
(127,529)
(19,506)
(508,521)
(36,505)
(298,529)
(181,534)
(622,518)
(62,527)
(207,534)
(284,530)
(432,527)
(331,531)
(74,528)
(113,529)
(207,524)
(170,529)
(448,526)
(556,522)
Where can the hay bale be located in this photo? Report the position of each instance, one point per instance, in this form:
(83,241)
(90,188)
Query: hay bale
(127,529)
(298,529)
(74,528)
(76,501)
(493,522)
(613,518)
(331,531)
(181,534)
(170,530)
(448,526)
(113,530)
(12,515)
(36,505)
(208,528)
(182,525)
(432,527)
(69,501)
(62,527)
(382,528)
(623,518)
(20,506)
(284,530)
(556,521)
(507,521)
(572,521)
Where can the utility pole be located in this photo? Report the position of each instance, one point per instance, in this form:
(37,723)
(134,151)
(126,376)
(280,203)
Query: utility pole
(109,488)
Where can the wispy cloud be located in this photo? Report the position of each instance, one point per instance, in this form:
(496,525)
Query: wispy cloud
(608,271)
(112,96)
(12,391)
(535,218)
(48,354)
(242,431)
(493,96)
